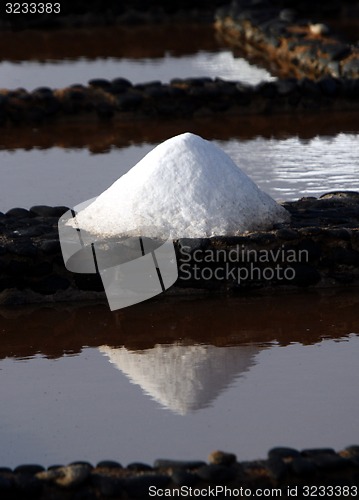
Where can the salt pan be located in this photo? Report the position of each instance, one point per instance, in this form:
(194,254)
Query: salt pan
(185,187)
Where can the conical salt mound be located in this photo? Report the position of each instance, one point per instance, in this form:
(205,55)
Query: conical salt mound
(185,187)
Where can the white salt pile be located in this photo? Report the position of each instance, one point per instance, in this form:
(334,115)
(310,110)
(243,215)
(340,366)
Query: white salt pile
(185,187)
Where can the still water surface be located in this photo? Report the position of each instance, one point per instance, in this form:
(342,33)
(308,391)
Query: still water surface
(64,57)
(32,74)
(179,379)
(284,168)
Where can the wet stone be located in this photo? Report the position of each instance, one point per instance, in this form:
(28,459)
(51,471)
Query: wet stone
(344,256)
(334,68)
(156,92)
(222,458)
(353,450)
(121,82)
(267,89)
(312,452)
(148,85)
(108,486)
(329,86)
(55,466)
(216,473)
(287,234)
(105,110)
(288,15)
(5,470)
(88,282)
(50,285)
(46,211)
(139,467)
(163,463)
(76,95)
(303,467)
(85,493)
(309,87)
(138,487)
(286,86)
(350,88)
(30,469)
(198,82)
(277,468)
(5,486)
(28,485)
(351,68)
(109,464)
(183,478)
(69,476)
(331,462)
(50,247)
(28,232)
(305,275)
(18,212)
(100,83)
(82,463)
(336,51)
(129,101)
(340,195)
(42,91)
(17,267)
(283,452)
(189,245)
(22,248)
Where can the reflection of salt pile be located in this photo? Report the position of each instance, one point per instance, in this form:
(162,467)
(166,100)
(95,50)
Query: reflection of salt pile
(183,378)
(185,187)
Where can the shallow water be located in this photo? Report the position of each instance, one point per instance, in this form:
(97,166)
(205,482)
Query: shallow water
(33,74)
(284,168)
(179,379)
(66,57)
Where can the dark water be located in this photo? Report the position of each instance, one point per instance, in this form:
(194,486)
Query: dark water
(178,378)
(62,58)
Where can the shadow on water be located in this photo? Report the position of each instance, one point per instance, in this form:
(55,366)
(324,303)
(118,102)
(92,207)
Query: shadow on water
(109,41)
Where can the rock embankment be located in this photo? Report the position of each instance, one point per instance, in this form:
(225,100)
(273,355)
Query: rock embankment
(318,248)
(119,99)
(286,472)
(294,45)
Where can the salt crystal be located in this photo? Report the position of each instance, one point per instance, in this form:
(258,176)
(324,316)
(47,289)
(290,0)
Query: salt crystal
(186,187)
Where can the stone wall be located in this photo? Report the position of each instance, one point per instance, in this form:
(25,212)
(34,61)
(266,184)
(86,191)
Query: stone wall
(296,45)
(285,473)
(318,248)
(119,99)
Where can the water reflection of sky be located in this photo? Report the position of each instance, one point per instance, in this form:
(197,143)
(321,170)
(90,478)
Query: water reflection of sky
(80,407)
(222,64)
(285,169)
(184,378)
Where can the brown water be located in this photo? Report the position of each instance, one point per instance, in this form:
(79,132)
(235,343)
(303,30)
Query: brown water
(179,378)
(60,59)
